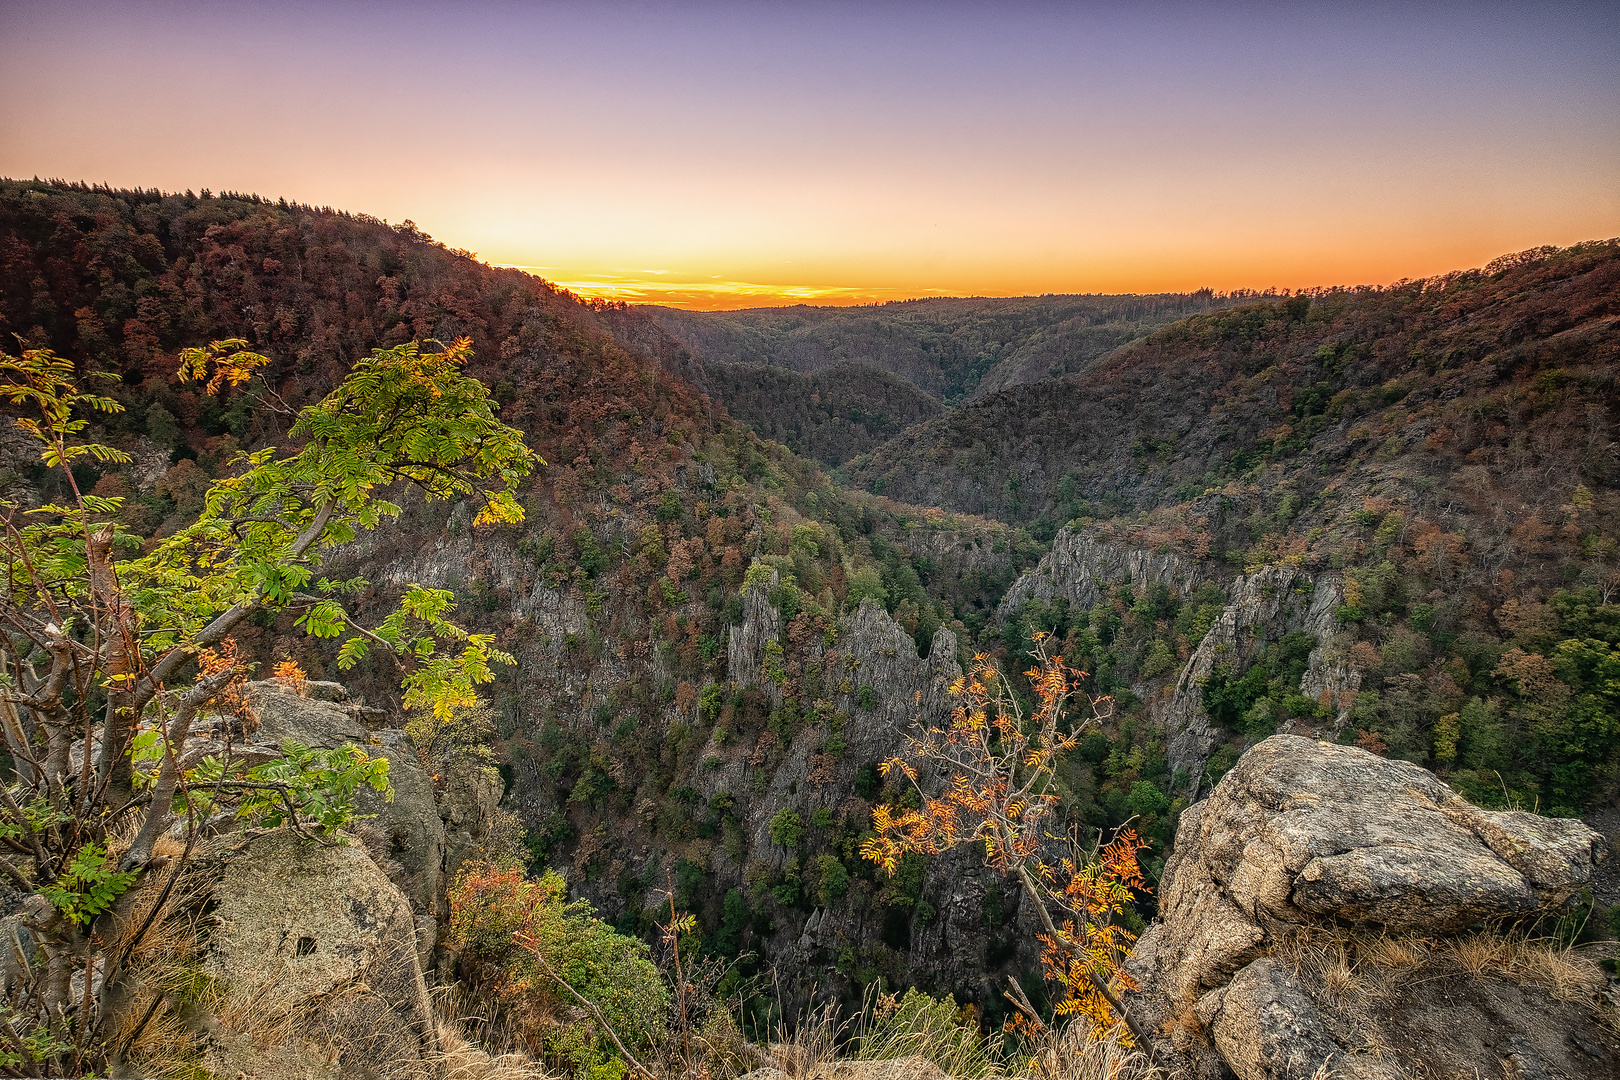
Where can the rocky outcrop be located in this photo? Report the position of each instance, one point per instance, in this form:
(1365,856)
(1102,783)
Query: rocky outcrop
(1261,608)
(316,954)
(877,684)
(873,653)
(1264,1024)
(1304,836)
(747,644)
(428,829)
(1080,564)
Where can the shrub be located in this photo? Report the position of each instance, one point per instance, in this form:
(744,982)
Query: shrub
(1001,758)
(464,736)
(787,829)
(832,879)
(529,945)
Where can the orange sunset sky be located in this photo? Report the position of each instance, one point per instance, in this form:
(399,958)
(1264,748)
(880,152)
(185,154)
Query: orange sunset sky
(742,154)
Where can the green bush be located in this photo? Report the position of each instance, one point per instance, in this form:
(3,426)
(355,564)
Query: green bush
(514,928)
(832,879)
(787,829)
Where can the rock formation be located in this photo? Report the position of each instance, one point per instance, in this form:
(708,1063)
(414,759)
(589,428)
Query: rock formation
(1306,852)
(1261,607)
(317,951)
(429,831)
(1080,564)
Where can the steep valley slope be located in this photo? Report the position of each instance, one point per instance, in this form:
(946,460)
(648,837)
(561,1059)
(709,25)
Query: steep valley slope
(834,382)
(1386,517)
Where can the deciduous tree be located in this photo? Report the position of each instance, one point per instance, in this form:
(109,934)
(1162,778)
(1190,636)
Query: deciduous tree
(97,651)
(996,759)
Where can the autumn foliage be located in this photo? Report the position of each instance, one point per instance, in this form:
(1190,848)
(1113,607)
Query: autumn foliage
(1000,789)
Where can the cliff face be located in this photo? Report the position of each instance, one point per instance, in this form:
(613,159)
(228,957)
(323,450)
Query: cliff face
(1261,608)
(1080,563)
(938,935)
(310,958)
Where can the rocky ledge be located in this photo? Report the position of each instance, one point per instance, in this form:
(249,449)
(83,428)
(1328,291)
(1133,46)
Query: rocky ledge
(1306,895)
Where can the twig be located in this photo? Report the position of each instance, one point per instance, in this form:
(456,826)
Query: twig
(1022,1004)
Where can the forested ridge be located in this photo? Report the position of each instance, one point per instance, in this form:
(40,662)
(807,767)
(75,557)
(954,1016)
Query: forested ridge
(1448,445)
(615,595)
(1441,453)
(829,415)
(953,349)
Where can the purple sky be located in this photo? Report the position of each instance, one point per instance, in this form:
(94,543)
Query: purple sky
(734,153)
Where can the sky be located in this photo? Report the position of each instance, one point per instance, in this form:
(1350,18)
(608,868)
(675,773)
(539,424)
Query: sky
(712,154)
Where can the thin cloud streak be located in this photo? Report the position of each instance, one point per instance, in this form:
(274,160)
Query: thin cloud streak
(711,295)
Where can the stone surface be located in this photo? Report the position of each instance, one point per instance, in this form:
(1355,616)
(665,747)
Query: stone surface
(1305,837)
(1267,1028)
(411,821)
(466,806)
(1301,826)
(321,722)
(1080,565)
(747,642)
(430,829)
(317,952)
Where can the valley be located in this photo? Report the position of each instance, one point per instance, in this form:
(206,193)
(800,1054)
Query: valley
(764,543)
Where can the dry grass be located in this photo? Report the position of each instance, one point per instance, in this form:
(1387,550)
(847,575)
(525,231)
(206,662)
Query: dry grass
(262,1015)
(1392,953)
(893,1027)
(1069,1053)
(1331,961)
(929,1038)
(1355,967)
(476,1045)
(461,1059)
(161,974)
(167,847)
(1565,973)
(814,1042)
(723,1049)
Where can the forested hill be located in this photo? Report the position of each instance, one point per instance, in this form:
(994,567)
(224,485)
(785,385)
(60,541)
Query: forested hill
(1510,369)
(951,348)
(621,593)
(119,280)
(716,642)
(1443,451)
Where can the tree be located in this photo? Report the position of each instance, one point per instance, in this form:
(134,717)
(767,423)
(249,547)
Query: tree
(1001,789)
(97,695)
